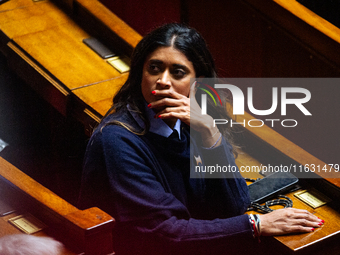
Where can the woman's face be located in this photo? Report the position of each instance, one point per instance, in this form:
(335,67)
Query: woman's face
(166,68)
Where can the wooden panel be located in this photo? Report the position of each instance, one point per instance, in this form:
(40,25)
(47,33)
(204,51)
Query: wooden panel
(104,24)
(50,42)
(8,229)
(306,241)
(10,5)
(305,27)
(30,18)
(78,229)
(330,229)
(36,190)
(281,148)
(262,39)
(303,241)
(40,80)
(243,160)
(61,51)
(110,20)
(310,242)
(99,96)
(311,18)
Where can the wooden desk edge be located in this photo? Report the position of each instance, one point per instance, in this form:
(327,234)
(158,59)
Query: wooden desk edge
(293,17)
(81,225)
(110,20)
(311,18)
(288,148)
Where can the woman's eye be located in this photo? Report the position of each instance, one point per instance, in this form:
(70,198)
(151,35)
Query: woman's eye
(179,73)
(154,68)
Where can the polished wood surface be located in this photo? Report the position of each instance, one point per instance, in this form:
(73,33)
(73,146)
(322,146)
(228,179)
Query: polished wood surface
(311,18)
(52,46)
(109,20)
(78,229)
(36,190)
(50,56)
(316,34)
(99,96)
(328,212)
(274,141)
(16,15)
(262,147)
(8,229)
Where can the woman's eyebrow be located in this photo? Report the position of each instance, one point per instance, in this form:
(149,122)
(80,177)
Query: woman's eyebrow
(180,66)
(160,62)
(155,61)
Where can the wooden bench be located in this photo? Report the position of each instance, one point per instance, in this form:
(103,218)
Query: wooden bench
(82,231)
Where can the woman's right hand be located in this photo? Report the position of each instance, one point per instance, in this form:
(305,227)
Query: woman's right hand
(177,106)
(289,220)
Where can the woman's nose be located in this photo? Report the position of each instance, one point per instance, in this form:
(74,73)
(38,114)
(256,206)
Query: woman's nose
(164,80)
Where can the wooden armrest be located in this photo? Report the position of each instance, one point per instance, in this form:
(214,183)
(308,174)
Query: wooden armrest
(88,231)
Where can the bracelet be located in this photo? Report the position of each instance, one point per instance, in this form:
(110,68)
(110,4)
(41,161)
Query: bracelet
(215,133)
(256,226)
(252,222)
(212,146)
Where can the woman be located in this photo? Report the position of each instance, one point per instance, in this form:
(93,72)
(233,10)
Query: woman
(137,164)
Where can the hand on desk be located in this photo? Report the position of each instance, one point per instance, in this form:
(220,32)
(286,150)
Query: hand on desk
(289,220)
